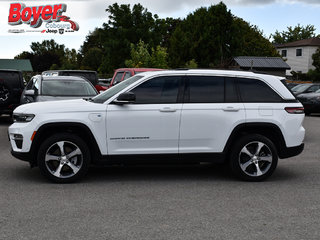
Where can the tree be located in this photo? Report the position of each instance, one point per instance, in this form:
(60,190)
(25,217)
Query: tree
(294,34)
(48,53)
(212,36)
(141,57)
(315,74)
(127,25)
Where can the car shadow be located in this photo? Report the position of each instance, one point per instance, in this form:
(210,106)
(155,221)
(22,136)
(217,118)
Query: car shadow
(159,173)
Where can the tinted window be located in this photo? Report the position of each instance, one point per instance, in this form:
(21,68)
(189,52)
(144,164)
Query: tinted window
(11,79)
(253,90)
(158,90)
(205,89)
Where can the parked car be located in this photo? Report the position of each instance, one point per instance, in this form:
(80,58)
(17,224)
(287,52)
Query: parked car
(40,89)
(292,85)
(92,76)
(11,87)
(125,73)
(311,102)
(245,119)
(305,88)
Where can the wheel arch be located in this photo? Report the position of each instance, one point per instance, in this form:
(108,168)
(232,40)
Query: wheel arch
(269,130)
(78,129)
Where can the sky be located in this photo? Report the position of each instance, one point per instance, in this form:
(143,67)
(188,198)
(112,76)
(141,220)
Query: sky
(268,15)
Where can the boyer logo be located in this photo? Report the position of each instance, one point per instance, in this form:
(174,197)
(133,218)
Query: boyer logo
(35,16)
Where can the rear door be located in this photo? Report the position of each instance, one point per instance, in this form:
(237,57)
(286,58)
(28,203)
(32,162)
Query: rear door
(210,112)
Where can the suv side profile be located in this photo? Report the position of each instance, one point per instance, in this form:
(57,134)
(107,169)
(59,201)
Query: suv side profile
(245,119)
(11,87)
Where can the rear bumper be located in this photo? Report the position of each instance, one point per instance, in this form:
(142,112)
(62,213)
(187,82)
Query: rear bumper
(291,151)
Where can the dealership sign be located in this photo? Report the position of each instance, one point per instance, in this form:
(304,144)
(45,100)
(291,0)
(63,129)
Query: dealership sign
(35,16)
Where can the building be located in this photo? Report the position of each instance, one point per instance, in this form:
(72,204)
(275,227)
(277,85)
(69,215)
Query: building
(298,54)
(270,65)
(16,64)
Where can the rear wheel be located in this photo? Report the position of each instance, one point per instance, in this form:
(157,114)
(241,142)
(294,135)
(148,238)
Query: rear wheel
(253,158)
(63,158)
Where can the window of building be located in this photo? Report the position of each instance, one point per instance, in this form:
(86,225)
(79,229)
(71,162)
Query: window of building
(284,53)
(299,52)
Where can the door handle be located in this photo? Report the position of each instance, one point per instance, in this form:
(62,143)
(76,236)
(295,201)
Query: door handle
(230,109)
(167,109)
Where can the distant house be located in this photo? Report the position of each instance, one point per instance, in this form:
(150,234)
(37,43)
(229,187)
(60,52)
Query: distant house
(17,64)
(270,65)
(298,54)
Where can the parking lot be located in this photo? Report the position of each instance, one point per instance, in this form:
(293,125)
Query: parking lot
(166,202)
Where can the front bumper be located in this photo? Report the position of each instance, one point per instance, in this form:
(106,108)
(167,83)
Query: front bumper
(288,152)
(22,156)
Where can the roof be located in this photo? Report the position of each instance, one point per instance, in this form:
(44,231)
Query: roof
(305,42)
(67,78)
(229,73)
(262,62)
(18,64)
(72,71)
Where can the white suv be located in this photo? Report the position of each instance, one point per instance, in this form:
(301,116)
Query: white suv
(243,118)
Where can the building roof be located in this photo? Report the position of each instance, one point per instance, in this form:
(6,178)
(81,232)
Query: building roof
(17,64)
(261,62)
(305,42)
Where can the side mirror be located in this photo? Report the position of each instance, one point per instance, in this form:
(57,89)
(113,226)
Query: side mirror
(30,93)
(125,98)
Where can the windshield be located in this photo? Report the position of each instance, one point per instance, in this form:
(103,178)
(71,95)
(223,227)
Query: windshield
(300,88)
(67,88)
(318,91)
(114,90)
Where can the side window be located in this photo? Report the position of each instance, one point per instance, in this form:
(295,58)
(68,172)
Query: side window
(313,88)
(205,89)
(118,78)
(127,75)
(158,90)
(253,90)
(35,86)
(29,85)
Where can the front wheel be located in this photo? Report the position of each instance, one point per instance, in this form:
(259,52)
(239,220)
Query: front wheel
(253,158)
(63,158)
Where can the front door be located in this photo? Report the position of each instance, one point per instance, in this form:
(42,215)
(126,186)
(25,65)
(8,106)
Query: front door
(151,124)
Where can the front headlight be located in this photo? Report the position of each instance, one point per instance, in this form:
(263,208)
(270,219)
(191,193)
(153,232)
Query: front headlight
(23,117)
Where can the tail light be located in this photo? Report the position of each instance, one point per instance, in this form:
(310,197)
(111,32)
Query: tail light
(295,110)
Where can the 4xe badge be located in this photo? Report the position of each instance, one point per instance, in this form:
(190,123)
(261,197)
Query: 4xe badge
(34,16)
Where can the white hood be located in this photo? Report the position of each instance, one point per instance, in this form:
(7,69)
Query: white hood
(78,105)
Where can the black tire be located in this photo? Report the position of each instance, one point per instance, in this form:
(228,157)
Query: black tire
(254,165)
(64,167)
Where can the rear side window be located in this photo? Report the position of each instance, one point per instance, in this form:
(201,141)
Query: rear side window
(253,90)
(205,89)
(158,90)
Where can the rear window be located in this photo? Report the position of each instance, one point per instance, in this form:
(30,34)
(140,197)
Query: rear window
(91,76)
(11,78)
(67,88)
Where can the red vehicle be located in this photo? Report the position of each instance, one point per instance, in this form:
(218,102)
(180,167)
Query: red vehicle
(124,73)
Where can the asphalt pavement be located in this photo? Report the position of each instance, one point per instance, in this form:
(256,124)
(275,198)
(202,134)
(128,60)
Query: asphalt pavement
(166,202)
